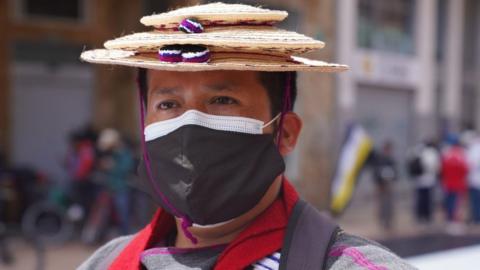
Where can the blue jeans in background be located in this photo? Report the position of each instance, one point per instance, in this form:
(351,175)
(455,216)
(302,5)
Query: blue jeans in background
(121,200)
(475,204)
(451,199)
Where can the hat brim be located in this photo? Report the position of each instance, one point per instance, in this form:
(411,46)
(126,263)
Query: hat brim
(269,40)
(220,62)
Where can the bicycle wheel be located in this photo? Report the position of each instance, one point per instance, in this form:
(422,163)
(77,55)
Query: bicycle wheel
(47,223)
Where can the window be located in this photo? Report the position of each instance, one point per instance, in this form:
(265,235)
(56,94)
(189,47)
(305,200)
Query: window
(46,51)
(386,25)
(441,28)
(470,35)
(73,10)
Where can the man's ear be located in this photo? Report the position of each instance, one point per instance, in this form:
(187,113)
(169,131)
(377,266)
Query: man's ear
(292,125)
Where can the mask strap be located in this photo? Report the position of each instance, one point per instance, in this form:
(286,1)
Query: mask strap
(186,222)
(286,107)
(271,121)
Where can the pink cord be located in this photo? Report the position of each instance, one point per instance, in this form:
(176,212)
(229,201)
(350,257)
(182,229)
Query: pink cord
(286,107)
(186,222)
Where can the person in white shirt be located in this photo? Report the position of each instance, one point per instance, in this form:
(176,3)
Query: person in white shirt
(473,158)
(426,178)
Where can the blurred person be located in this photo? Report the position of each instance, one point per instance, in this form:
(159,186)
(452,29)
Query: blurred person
(80,164)
(116,163)
(6,256)
(424,168)
(214,147)
(90,133)
(3,162)
(467,137)
(385,173)
(454,176)
(473,158)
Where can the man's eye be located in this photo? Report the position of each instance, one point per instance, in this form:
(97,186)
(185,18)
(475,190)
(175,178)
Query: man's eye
(224,100)
(167,105)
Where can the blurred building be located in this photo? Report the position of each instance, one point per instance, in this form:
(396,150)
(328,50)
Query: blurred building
(415,67)
(47,92)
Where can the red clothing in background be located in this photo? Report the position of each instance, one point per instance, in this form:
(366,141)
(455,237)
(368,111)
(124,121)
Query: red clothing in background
(82,161)
(454,169)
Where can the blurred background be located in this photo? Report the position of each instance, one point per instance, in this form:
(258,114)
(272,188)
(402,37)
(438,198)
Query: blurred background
(69,130)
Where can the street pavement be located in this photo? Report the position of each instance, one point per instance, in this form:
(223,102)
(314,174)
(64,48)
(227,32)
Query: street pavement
(27,257)
(407,238)
(429,243)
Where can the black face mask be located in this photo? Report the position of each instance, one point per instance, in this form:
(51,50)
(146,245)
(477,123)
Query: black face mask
(207,175)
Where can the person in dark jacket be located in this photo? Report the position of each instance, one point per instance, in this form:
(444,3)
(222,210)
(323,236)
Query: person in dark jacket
(115,164)
(424,169)
(385,173)
(80,164)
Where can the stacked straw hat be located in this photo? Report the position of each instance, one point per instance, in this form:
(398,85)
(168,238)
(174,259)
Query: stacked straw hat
(214,36)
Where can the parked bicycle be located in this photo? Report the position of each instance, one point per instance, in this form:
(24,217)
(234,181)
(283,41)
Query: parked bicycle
(53,217)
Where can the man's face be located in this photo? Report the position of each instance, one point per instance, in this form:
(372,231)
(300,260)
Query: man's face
(231,93)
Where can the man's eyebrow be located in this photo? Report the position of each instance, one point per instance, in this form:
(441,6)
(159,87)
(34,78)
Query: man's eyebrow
(164,91)
(220,87)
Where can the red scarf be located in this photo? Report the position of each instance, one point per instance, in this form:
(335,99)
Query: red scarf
(261,238)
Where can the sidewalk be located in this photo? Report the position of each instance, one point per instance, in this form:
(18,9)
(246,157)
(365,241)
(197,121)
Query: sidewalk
(68,256)
(361,218)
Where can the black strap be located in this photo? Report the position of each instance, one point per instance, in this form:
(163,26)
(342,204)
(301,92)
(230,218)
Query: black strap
(308,238)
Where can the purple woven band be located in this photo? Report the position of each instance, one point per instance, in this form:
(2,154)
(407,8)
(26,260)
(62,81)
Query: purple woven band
(171,58)
(190,26)
(203,58)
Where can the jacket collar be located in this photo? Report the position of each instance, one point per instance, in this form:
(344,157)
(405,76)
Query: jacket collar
(265,233)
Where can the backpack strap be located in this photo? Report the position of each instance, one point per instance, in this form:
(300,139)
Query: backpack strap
(308,238)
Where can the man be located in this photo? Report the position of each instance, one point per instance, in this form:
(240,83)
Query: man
(473,159)
(115,164)
(80,164)
(5,253)
(216,102)
(424,168)
(454,180)
(385,173)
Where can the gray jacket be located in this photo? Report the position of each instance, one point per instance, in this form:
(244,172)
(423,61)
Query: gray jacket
(347,252)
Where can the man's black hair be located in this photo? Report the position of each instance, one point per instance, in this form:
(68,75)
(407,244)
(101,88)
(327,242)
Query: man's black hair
(274,82)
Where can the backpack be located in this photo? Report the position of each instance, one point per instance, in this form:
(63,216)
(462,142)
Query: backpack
(415,166)
(308,238)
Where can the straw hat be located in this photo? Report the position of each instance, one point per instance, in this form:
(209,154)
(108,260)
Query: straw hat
(216,12)
(230,37)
